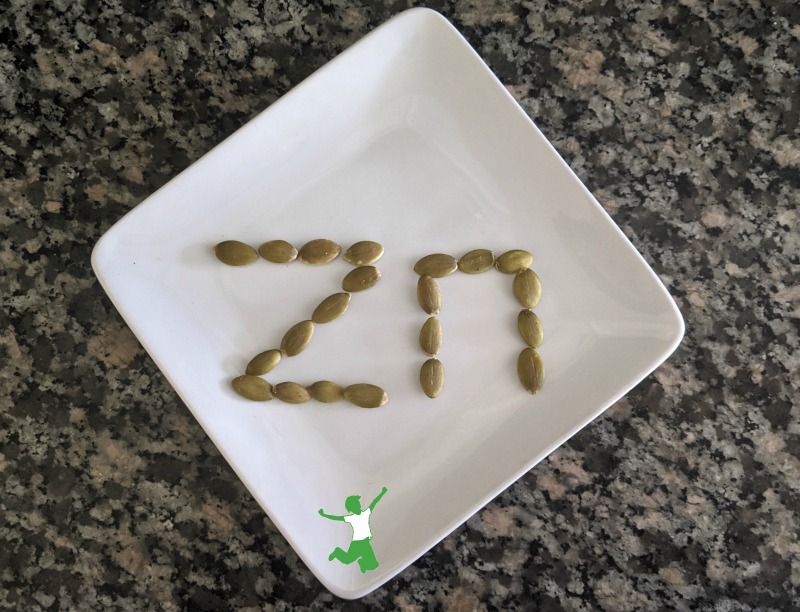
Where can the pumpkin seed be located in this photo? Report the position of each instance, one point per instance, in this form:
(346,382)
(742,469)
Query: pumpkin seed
(530,370)
(252,387)
(513,261)
(430,336)
(326,391)
(431,377)
(476,261)
(363,253)
(332,307)
(436,265)
(527,288)
(428,295)
(235,253)
(365,395)
(530,328)
(277,251)
(297,338)
(319,251)
(263,362)
(292,393)
(361,278)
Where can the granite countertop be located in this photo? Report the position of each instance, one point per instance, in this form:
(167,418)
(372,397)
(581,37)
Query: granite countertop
(681,118)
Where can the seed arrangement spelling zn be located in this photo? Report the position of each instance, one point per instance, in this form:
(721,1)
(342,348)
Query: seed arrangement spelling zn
(525,285)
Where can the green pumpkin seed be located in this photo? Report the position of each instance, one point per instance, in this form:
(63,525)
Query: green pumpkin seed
(476,261)
(252,387)
(530,370)
(326,391)
(436,265)
(263,362)
(277,251)
(235,253)
(431,377)
(430,336)
(365,395)
(527,288)
(297,338)
(292,393)
(530,328)
(319,251)
(513,261)
(361,278)
(332,307)
(428,295)
(363,253)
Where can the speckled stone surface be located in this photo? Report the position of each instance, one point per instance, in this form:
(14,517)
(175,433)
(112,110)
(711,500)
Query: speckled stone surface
(681,117)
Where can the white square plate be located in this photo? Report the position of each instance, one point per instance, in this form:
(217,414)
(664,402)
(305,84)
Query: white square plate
(407,139)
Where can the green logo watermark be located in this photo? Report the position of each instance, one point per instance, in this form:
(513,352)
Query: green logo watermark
(360,548)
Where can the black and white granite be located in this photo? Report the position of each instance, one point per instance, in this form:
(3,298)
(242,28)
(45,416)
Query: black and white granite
(682,117)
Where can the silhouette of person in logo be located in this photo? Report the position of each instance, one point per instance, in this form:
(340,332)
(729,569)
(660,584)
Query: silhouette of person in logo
(360,549)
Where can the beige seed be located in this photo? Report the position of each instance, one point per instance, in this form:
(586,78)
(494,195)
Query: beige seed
(530,370)
(297,338)
(431,377)
(263,362)
(332,307)
(530,328)
(277,251)
(430,336)
(513,261)
(363,253)
(428,295)
(476,262)
(436,265)
(361,278)
(527,288)
(365,395)
(235,253)
(252,387)
(319,251)
(292,393)
(326,391)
